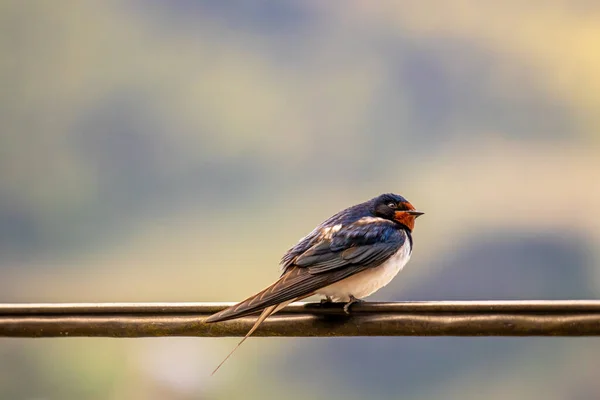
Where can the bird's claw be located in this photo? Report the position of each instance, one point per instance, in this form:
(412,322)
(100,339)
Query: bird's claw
(349,303)
(326,300)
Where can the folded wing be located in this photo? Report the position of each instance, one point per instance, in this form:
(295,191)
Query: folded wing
(352,249)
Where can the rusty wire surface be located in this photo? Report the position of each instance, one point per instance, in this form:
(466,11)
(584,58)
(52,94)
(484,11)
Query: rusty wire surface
(442,318)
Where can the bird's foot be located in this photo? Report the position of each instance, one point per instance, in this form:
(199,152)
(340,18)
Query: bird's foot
(349,303)
(326,300)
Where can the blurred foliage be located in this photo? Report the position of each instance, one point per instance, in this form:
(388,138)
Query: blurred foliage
(160,151)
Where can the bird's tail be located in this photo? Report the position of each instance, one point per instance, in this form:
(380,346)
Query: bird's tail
(266,312)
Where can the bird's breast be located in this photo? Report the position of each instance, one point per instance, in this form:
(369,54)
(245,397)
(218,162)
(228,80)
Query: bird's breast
(371,280)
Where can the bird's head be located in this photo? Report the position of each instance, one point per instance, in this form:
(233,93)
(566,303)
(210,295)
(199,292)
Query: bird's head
(395,208)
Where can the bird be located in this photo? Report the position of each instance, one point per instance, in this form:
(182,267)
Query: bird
(347,257)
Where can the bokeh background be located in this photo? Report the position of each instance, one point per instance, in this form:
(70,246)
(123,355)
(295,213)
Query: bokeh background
(172,151)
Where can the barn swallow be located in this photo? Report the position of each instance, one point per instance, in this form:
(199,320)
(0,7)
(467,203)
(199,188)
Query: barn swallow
(349,256)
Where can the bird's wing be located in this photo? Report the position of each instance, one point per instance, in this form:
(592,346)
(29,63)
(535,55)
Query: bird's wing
(349,250)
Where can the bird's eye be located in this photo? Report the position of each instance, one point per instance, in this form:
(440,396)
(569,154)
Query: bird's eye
(392,205)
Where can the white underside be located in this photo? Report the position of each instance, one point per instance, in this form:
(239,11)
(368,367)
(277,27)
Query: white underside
(369,281)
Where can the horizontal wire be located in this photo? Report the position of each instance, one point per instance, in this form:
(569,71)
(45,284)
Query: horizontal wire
(301,308)
(431,318)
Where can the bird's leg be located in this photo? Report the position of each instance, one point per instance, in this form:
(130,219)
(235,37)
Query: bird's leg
(349,303)
(327,299)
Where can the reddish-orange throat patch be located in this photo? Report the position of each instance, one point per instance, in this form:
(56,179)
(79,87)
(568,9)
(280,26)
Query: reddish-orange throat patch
(405,218)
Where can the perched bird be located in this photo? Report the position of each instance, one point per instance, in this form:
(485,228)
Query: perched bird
(349,256)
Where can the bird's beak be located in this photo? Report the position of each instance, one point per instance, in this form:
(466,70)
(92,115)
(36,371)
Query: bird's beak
(415,213)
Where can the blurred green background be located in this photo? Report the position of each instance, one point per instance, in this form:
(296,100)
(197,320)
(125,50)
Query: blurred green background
(172,151)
